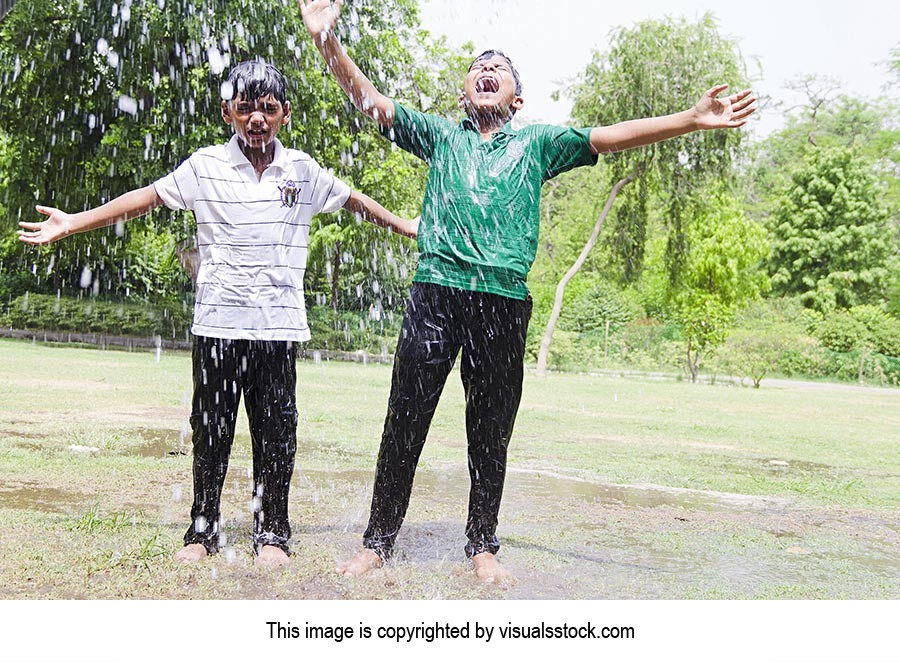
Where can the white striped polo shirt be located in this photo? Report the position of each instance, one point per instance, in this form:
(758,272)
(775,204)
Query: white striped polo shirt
(253,237)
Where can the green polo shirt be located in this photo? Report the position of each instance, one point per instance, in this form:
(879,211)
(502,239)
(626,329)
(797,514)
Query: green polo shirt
(481,212)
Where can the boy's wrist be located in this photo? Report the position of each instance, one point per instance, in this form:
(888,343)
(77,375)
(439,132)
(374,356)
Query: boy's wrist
(322,36)
(694,119)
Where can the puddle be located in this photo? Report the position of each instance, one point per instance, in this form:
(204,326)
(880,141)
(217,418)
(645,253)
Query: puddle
(537,484)
(160,443)
(560,543)
(32,496)
(549,484)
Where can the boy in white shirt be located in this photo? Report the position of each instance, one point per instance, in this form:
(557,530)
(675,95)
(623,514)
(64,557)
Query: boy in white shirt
(253,200)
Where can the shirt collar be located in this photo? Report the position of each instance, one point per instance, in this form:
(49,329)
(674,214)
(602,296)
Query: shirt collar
(468,125)
(237,158)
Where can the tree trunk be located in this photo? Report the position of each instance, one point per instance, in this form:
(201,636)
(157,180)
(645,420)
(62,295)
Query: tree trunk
(561,288)
(693,362)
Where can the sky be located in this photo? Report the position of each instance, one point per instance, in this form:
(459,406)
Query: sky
(551,42)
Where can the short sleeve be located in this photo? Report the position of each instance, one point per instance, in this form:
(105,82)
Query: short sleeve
(178,189)
(329,193)
(565,148)
(416,132)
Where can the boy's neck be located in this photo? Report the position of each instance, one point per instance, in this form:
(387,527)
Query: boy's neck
(488,124)
(260,158)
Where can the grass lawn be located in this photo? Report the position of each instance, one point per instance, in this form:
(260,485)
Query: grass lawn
(617,488)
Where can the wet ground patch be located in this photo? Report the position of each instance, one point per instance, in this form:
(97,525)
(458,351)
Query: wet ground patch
(160,443)
(33,496)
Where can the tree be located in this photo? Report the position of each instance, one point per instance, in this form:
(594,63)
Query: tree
(544,351)
(827,119)
(830,240)
(656,68)
(107,95)
(722,273)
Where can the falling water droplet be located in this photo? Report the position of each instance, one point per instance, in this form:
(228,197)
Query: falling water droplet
(127,105)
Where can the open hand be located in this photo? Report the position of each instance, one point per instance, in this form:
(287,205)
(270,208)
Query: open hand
(56,227)
(319,16)
(730,112)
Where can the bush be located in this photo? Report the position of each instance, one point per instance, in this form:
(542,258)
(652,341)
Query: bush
(753,355)
(859,327)
(44,312)
(883,329)
(351,331)
(840,332)
(590,305)
(647,344)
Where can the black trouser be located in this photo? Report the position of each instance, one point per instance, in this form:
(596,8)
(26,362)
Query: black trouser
(490,330)
(265,372)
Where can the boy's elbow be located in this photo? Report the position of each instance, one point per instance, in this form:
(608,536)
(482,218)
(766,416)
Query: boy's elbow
(358,203)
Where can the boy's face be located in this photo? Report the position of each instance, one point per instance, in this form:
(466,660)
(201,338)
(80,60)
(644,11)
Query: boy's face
(256,123)
(490,87)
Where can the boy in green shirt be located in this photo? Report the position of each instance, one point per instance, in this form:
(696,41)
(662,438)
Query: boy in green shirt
(477,240)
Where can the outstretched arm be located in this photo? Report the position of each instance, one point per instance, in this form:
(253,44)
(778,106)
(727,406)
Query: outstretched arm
(59,224)
(320,17)
(710,112)
(363,205)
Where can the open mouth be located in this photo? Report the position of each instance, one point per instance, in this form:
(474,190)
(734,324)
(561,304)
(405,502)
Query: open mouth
(486,84)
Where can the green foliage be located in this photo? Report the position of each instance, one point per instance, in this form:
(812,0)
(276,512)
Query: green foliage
(868,127)
(705,320)
(858,328)
(647,345)
(41,312)
(798,342)
(154,272)
(349,331)
(893,302)
(592,303)
(883,329)
(105,97)
(766,338)
(93,521)
(658,68)
(721,272)
(752,355)
(726,250)
(570,204)
(840,332)
(830,241)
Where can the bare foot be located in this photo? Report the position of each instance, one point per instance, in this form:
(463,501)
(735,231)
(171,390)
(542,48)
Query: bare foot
(191,553)
(360,564)
(272,557)
(488,570)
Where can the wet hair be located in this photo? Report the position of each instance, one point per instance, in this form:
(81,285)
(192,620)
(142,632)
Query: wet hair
(491,53)
(254,80)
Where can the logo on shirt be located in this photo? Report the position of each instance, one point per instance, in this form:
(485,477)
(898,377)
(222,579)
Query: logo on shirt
(289,193)
(515,149)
